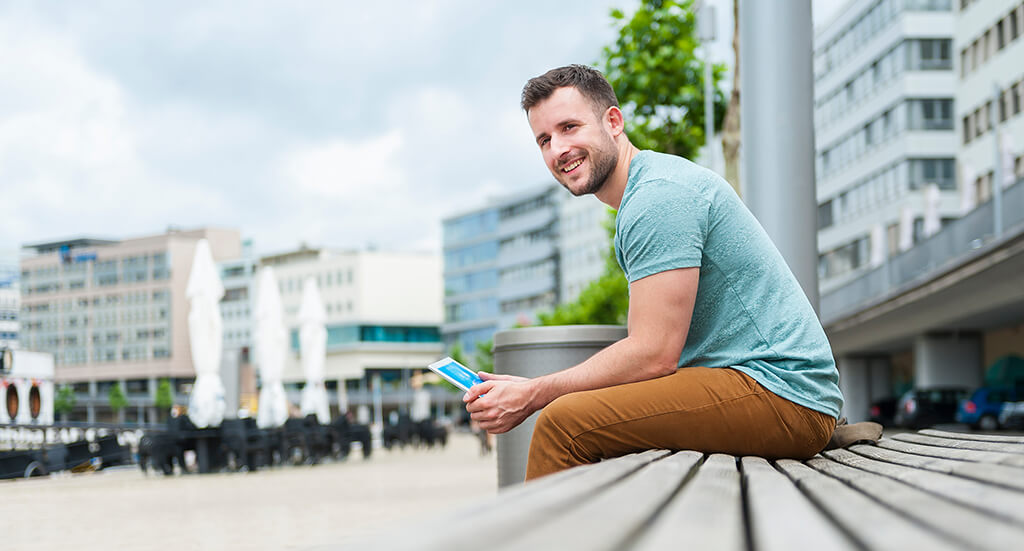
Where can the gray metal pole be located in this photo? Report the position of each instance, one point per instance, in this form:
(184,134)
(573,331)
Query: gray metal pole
(997,170)
(706,20)
(776,41)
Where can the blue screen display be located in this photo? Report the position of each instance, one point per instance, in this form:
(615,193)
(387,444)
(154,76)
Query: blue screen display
(458,374)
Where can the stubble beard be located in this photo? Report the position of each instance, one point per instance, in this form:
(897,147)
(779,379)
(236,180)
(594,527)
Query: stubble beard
(604,160)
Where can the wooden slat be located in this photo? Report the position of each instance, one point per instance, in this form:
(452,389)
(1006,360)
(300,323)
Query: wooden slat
(609,519)
(965,526)
(511,513)
(780,517)
(1000,475)
(706,514)
(997,458)
(993,499)
(1004,438)
(957,444)
(871,523)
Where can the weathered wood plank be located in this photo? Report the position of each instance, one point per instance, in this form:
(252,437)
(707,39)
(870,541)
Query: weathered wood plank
(1004,438)
(958,444)
(997,458)
(995,500)
(1000,475)
(706,514)
(608,519)
(517,510)
(781,517)
(871,523)
(967,527)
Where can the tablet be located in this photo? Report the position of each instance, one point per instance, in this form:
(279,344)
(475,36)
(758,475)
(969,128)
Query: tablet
(455,373)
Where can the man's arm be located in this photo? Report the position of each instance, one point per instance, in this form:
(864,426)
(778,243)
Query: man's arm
(660,308)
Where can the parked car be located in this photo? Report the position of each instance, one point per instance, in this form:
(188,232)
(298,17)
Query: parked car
(1012,415)
(981,410)
(924,407)
(883,411)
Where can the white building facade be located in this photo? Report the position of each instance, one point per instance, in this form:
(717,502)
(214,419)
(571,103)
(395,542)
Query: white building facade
(383,310)
(885,141)
(989,41)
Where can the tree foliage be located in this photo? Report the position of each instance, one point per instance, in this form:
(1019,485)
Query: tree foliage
(164,398)
(116,397)
(65,400)
(659,80)
(660,84)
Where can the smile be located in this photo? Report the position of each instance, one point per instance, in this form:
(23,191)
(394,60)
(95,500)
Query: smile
(572,166)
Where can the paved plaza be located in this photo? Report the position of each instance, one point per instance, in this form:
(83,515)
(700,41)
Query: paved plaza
(283,508)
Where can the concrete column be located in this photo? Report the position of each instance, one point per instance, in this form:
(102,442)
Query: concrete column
(776,45)
(855,384)
(90,410)
(879,378)
(863,380)
(342,397)
(953,359)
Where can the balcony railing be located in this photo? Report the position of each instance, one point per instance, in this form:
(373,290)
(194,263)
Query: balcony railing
(957,242)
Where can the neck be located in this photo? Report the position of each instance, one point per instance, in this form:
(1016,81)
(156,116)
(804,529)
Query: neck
(612,191)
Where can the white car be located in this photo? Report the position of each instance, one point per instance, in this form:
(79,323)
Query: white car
(1012,415)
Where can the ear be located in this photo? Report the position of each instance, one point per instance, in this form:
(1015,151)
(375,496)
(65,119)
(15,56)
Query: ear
(614,121)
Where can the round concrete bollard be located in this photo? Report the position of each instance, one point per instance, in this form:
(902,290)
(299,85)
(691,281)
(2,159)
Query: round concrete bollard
(532,352)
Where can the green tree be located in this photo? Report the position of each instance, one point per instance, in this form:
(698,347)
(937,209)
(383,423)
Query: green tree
(116,397)
(484,356)
(658,78)
(164,398)
(64,402)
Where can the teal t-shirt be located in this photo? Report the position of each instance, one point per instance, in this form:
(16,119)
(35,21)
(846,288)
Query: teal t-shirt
(750,313)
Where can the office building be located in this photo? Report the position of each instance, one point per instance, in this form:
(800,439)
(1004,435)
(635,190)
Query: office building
(383,316)
(10,300)
(989,41)
(517,256)
(238,275)
(885,141)
(114,312)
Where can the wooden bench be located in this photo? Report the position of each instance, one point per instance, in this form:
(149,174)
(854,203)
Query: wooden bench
(927,490)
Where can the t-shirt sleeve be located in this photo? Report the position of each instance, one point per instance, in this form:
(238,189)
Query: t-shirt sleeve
(662,227)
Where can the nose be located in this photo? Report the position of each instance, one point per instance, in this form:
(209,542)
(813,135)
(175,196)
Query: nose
(559,147)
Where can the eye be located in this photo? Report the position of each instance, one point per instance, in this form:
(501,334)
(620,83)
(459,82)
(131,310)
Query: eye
(570,126)
(543,141)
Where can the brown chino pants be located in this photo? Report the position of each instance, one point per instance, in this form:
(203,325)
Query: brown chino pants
(696,408)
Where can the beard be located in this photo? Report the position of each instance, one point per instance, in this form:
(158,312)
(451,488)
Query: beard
(603,160)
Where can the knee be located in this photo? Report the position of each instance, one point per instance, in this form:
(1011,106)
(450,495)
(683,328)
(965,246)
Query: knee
(558,416)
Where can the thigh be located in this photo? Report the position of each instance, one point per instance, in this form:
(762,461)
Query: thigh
(697,408)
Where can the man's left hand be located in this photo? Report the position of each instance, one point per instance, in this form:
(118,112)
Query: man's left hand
(506,404)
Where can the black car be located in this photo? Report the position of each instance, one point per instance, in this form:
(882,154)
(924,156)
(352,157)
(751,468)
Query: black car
(924,407)
(883,411)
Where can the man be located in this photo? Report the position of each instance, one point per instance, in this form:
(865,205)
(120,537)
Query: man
(723,354)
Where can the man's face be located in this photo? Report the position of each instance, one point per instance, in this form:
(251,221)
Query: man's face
(577,146)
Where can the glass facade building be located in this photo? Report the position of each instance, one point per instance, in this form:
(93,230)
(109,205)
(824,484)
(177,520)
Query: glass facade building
(507,261)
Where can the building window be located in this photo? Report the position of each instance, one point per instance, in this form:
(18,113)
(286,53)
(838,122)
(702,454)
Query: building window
(825,215)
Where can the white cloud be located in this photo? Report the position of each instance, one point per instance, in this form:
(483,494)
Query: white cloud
(339,169)
(333,124)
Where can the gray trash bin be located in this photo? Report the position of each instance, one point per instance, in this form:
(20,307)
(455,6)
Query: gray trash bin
(532,352)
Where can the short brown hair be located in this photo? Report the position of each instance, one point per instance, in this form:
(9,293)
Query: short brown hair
(589,81)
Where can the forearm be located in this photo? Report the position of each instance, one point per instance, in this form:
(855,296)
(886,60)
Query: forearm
(626,361)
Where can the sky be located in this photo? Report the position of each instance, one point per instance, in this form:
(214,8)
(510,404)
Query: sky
(332,123)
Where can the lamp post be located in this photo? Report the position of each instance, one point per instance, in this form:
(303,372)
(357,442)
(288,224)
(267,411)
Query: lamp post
(706,33)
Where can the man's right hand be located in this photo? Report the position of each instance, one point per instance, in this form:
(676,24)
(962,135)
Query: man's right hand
(500,403)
